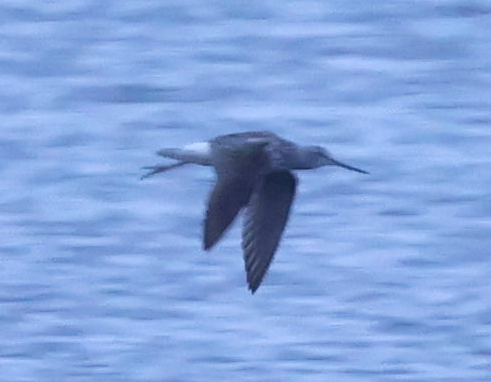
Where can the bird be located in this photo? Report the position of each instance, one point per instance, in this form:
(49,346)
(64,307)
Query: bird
(254,173)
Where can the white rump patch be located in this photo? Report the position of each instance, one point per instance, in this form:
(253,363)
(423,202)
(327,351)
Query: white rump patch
(199,148)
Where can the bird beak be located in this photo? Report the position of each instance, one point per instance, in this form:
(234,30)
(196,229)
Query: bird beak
(340,164)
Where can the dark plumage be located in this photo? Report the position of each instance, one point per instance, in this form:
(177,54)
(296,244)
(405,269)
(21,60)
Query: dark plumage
(253,173)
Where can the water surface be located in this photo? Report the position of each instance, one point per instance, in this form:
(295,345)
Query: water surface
(379,278)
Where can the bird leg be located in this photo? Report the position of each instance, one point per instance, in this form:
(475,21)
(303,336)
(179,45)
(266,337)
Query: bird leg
(157,169)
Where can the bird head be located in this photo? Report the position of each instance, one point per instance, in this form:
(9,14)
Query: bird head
(321,157)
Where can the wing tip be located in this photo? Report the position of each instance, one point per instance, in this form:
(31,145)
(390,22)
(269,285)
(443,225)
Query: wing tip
(210,237)
(253,282)
(209,241)
(253,288)
(207,246)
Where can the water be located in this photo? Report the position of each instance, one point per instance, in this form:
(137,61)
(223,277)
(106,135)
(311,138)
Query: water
(379,278)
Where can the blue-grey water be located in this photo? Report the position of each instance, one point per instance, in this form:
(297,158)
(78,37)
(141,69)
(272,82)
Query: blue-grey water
(383,277)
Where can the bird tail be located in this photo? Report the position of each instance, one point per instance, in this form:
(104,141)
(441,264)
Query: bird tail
(186,155)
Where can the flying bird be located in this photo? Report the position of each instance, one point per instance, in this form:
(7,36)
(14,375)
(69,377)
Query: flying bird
(254,174)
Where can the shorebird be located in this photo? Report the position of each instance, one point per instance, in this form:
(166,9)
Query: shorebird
(254,173)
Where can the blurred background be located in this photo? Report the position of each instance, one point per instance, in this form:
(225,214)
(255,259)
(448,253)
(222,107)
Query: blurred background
(383,277)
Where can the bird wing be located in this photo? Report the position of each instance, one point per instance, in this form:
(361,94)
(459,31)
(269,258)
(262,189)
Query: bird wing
(238,169)
(265,219)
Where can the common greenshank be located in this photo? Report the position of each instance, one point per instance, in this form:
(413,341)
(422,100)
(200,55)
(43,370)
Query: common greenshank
(254,173)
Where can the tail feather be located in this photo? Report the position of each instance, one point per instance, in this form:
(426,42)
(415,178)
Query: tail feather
(171,153)
(192,154)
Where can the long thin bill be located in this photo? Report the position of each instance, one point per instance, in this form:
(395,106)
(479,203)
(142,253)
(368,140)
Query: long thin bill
(340,164)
